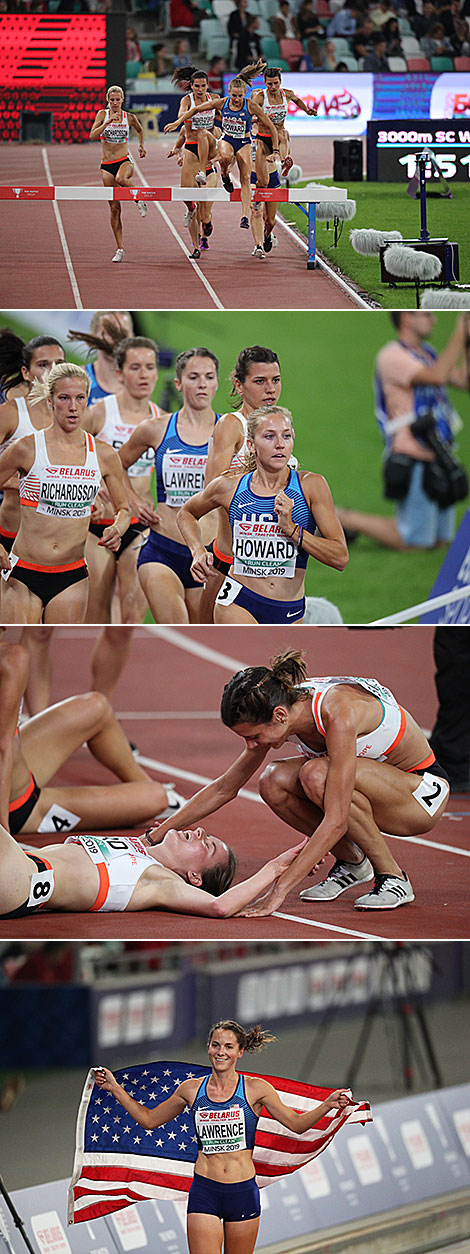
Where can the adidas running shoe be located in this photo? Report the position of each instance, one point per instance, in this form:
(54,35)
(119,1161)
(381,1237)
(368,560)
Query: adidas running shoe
(142,207)
(194,256)
(389,891)
(189,216)
(118,256)
(341,877)
(259,252)
(175,802)
(203,242)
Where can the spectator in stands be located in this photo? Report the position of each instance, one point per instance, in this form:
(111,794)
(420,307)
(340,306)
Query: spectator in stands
(421,22)
(181,54)
(344,22)
(362,41)
(307,22)
(391,33)
(461,38)
(237,23)
(285,25)
(215,75)
(381,13)
(161,61)
(376,61)
(184,13)
(248,43)
(436,43)
(133,51)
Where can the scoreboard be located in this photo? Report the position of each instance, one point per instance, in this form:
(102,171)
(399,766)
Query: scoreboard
(392,148)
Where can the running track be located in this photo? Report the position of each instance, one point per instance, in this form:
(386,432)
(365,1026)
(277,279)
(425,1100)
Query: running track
(168,700)
(59,254)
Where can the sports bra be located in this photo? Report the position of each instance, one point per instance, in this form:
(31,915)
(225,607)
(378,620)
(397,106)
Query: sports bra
(376,744)
(260,548)
(224,1127)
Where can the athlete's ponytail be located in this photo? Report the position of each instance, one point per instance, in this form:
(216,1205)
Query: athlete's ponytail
(115,334)
(252,695)
(43,389)
(252,1039)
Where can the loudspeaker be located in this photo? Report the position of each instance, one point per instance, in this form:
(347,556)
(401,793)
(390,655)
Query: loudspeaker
(36,127)
(448,256)
(348,160)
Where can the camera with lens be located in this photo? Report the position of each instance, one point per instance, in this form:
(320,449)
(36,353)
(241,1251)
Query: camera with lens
(445,480)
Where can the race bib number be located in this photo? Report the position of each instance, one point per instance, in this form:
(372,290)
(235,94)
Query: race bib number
(221,1131)
(183,476)
(235,127)
(41,887)
(69,497)
(58,819)
(431,792)
(104,849)
(6,573)
(228,592)
(261,549)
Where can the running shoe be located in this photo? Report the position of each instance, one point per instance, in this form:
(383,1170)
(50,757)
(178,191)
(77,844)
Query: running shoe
(244,223)
(189,216)
(118,256)
(274,240)
(389,891)
(207,229)
(341,877)
(200,178)
(175,802)
(194,256)
(142,207)
(259,252)
(227,183)
(286,166)
(203,242)
(267,244)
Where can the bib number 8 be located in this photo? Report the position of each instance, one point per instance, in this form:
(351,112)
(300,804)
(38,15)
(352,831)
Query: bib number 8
(41,887)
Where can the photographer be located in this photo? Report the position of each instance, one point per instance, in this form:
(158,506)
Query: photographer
(418,424)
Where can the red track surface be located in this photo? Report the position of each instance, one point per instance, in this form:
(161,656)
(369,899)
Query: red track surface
(156,272)
(166,682)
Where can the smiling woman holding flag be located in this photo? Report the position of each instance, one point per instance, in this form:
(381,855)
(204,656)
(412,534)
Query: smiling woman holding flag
(226,1107)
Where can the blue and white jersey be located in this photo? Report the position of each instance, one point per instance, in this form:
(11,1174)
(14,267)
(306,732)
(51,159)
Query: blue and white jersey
(428,398)
(236,123)
(260,548)
(180,468)
(224,1127)
(97,393)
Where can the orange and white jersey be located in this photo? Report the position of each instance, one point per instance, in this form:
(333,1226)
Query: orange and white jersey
(116,132)
(116,431)
(277,113)
(204,120)
(61,491)
(120,861)
(376,744)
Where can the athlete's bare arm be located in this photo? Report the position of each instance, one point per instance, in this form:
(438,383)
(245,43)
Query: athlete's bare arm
(112,472)
(216,794)
(330,545)
(217,493)
(226,441)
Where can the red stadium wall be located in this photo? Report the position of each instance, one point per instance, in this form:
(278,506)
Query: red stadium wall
(52,64)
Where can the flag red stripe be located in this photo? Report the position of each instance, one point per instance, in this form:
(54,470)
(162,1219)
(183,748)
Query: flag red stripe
(124,1175)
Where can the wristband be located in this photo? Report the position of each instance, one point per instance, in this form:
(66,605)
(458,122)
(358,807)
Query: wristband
(292,532)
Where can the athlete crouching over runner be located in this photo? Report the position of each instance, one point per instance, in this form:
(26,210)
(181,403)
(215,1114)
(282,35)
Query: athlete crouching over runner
(60,470)
(364,765)
(224,1189)
(272,516)
(190,872)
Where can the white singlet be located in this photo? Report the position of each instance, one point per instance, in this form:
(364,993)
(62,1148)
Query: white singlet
(376,744)
(115,431)
(61,491)
(277,113)
(238,459)
(121,861)
(203,121)
(24,425)
(116,132)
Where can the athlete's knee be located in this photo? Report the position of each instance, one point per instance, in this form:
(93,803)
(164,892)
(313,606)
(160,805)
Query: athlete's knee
(273,784)
(98,709)
(312,776)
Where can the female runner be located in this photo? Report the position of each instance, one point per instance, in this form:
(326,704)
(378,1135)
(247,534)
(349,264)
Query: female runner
(114,420)
(60,473)
(226,1107)
(200,223)
(272,514)
(108,326)
(112,126)
(364,766)
(181,444)
(274,101)
(20,365)
(200,146)
(235,142)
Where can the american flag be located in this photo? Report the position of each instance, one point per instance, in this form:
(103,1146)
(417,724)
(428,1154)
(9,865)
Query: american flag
(118,1163)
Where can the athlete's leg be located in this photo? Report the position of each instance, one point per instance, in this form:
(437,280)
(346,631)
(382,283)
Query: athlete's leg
(19,605)
(15,874)
(240,1238)
(232,614)
(101,564)
(257,222)
(244,166)
(164,592)
(38,689)
(193,602)
(226,157)
(205,1234)
(50,738)
(125,174)
(132,599)
(109,658)
(101,806)
(210,590)
(261,164)
(68,606)
(114,208)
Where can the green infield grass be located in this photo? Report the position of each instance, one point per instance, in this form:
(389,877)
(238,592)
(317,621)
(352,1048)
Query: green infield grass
(386,206)
(327,364)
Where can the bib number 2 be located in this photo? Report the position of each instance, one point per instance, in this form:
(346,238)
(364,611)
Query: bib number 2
(431,792)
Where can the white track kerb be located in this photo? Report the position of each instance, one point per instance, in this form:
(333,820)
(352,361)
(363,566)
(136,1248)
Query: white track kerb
(281,195)
(424,607)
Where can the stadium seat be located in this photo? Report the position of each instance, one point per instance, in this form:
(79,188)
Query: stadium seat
(132,69)
(268,8)
(323,9)
(404,26)
(217,46)
(414,64)
(208,26)
(264,27)
(342,47)
(147,48)
(270,48)
(292,51)
(222,10)
(350,62)
(411,46)
(442,64)
(397,65)
(461,63)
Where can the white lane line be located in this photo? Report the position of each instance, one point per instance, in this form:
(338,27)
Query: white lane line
(429,844)
(213,295)
(328,927)
(337,278)
(128,716)
(179,773)
(62,236)
(178,637)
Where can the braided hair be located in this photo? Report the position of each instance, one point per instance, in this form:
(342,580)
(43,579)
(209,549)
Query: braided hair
(252,1040)
(252,695)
